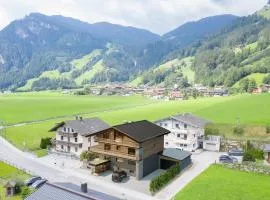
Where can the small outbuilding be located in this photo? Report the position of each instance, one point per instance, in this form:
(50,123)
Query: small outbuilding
(10,188)
(173,156)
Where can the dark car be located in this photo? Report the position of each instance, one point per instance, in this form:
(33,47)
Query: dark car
(118,176)
(236,152)
(32,180)
(227,159)
(38,183)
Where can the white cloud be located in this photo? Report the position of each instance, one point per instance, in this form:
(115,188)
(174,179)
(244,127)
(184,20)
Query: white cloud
(158,16)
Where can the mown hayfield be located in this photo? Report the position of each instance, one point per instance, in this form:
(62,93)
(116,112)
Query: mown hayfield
(22,107)
(219,183)
(248,109)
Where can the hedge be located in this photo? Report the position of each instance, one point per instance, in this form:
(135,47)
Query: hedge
(163,179)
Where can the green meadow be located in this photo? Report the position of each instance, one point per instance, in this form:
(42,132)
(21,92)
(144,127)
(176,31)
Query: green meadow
(252,111)
(25,107)
(219,183)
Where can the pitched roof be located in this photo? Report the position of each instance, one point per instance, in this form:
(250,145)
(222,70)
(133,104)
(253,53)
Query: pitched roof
(191,119)
(66,191)
(141,131)
(175,153)
(266,148)
(84,127)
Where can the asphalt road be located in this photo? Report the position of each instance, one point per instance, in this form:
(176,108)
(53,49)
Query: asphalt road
(100,189)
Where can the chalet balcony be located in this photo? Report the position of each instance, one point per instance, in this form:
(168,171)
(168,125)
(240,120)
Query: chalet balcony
(67,134)
(115,142)
(114,153)
(70,143)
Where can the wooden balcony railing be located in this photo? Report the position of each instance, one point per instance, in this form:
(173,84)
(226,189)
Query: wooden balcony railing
(68,142)
(116,142)
(119,154)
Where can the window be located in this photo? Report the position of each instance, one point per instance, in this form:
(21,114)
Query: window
(178,135)
(62,137)
(106,135)
(64,129)
(62,147)
(185,145)
(160,124)
(89,139)
(118,148)
(185,136)
(194,135)
(76,139)
(131,162)
(107,147)
(131,151)
(185,125)
(76,149)
(165,124)
(80,146)
(166,143)
(177,125)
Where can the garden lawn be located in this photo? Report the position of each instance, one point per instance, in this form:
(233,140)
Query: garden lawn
(219,183)
(8,172)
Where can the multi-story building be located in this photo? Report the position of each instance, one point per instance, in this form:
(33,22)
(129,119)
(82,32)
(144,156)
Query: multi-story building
(76,136)
(133,147)
(186,131)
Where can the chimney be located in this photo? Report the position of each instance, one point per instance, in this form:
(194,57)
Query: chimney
(84,188)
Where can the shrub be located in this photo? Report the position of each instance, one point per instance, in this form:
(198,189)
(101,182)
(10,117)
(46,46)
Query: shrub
(211,131)
(25,192)
(163,179)
(238,130)
(87,155)
(251,153)
(248,157)
(267,129)
(45,142)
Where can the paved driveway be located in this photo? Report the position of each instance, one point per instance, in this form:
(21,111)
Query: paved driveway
(101,189)
(56,169)
(201,161)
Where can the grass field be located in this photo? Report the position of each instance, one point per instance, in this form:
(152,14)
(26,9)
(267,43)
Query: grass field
(23,107)
(219,183)
(8,172)
(248,109)
(258,77)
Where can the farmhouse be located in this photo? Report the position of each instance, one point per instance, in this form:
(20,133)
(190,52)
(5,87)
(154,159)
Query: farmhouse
(187,131)
(76,136)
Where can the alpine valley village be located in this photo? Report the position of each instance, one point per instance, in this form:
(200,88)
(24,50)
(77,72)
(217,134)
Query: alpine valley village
(135,100)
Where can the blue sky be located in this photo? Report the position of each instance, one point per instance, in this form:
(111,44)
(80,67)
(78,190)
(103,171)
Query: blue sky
(158,16)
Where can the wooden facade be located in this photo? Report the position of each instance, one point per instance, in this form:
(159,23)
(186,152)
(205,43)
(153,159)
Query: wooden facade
(124,152)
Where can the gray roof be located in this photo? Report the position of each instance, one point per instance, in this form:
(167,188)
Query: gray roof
(191,119)
(141,131)
(176,154)
(66,191)
(266,148)
(84,127)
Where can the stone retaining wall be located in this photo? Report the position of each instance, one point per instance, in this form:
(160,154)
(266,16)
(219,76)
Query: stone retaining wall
(227,144)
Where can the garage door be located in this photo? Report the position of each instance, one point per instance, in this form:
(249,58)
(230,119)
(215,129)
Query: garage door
(165,164)
(210,147)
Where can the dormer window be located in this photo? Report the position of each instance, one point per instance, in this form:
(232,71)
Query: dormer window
(65,129)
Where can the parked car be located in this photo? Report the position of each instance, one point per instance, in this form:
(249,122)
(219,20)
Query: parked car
(31,180)
(118,176)
(227,159)
(236,152)
(38,183)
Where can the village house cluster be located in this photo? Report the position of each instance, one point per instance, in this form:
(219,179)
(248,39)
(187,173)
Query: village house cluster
(138,148)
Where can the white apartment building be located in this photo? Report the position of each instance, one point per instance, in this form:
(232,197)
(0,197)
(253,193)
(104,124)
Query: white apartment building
(187,131)
(76,136)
